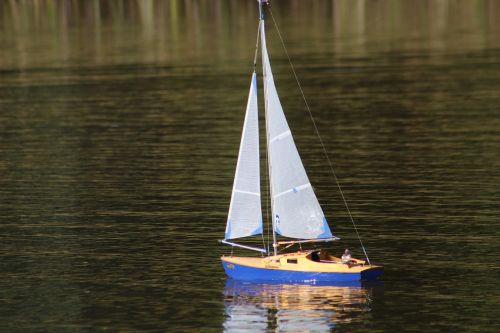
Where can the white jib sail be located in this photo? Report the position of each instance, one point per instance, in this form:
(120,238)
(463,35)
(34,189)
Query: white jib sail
(297,213)
(245,214)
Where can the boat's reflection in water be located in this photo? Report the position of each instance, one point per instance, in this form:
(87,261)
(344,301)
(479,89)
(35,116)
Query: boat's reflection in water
(296,307)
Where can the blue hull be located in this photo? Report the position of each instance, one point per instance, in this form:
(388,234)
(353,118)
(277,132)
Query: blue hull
(240,272)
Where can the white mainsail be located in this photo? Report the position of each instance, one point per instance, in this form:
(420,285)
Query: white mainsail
(245,214)
(297,213)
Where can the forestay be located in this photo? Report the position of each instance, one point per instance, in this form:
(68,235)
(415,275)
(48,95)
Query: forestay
(245,214)
(297,213)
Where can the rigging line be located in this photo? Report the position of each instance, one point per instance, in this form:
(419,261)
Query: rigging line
(270,220)
(268,181)
(254,68)
(319,136)
(270,224)
(264,242)
(256,47)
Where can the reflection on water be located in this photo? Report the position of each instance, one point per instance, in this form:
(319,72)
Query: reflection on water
(60,33)
(295,307)
(119,129)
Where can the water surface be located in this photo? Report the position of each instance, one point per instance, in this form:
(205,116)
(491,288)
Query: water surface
(119,129)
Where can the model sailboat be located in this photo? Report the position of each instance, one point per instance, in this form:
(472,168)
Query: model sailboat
(295,210)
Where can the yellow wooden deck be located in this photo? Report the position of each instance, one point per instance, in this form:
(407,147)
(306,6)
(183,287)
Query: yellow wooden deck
(302,261)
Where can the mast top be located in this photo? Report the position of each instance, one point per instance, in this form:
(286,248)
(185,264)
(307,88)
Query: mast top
(261,9)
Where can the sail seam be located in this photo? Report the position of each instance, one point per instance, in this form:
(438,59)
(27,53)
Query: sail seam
(247,192)
(281,136)
(293,189)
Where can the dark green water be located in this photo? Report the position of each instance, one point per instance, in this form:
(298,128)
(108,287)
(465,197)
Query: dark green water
(119,129)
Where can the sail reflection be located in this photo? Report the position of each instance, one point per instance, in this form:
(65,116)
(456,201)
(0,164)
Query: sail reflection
(295,307)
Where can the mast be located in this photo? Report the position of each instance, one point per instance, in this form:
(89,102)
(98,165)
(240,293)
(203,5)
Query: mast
(264,49)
